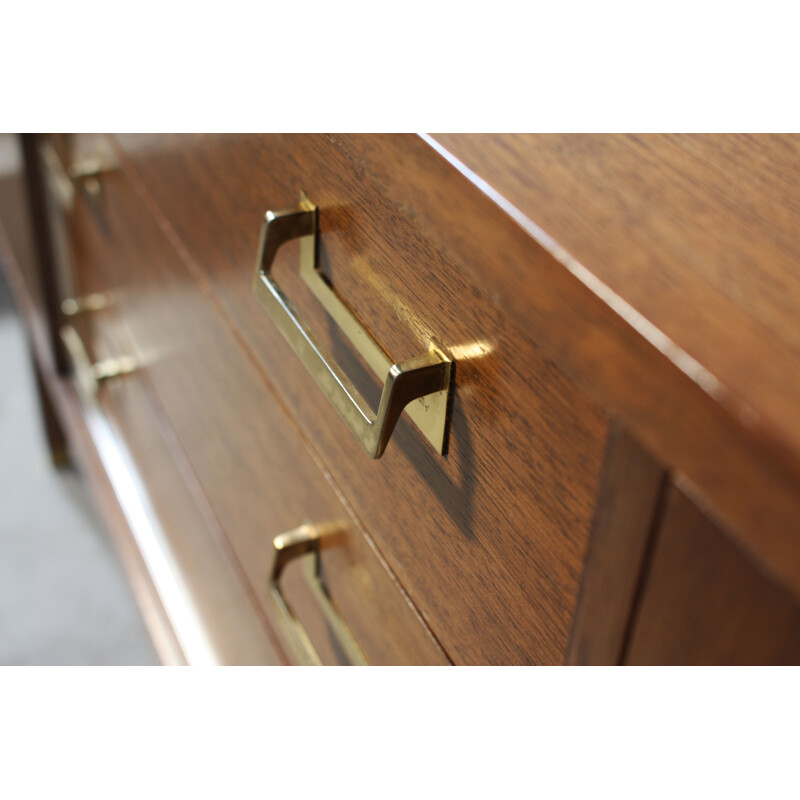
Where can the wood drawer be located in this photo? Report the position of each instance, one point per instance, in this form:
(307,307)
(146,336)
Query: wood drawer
(490,540)
(208,610)
(553,529)
(191,600)
(242,450)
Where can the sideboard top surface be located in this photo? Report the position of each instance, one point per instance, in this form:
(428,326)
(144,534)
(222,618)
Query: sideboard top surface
(694,238)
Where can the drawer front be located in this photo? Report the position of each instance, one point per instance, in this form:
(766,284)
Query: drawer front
(210,610)
(705,601)
(488,540)
(243,451)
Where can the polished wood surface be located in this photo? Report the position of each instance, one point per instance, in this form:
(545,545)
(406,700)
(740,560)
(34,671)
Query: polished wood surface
(698,233)
(502,522)
(627,510)
(233,631)
(254,475)
(704,602)
(751,480)
(82,452)
(620,310)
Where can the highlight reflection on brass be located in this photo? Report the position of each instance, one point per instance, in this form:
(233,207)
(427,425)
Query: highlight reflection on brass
(471,350)
(422,383)
(304,542)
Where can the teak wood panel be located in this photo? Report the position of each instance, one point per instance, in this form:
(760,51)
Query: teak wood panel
(706,602)
(696,232)
(617,357)
(627,510)
(489,540)
(236,629)
(245,453)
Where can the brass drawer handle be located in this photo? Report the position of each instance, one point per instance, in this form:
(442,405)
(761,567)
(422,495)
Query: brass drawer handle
(88,375)
(305,541)
(73,306)
(422,383)
(62,181)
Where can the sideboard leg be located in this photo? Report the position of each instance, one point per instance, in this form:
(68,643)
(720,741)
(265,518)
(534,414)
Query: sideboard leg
(56,440)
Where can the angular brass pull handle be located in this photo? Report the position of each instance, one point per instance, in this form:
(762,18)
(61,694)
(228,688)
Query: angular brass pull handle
(422,383)
(305,541)
(88,375)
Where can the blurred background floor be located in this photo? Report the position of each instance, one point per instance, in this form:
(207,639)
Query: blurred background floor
(64,598)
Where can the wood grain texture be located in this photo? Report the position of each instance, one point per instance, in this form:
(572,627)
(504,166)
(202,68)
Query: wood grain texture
(248,462)
(705,602)
(697,232)
(750,478)
(623,526)
(623,214)
(502,522)
(649,280)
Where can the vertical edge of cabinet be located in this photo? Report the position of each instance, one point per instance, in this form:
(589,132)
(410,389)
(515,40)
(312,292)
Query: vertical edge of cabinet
(627,507)
(46,266)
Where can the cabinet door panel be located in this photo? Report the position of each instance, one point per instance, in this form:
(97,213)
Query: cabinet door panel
(706,602)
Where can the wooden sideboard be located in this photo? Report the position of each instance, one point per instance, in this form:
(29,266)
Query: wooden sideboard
(603,466)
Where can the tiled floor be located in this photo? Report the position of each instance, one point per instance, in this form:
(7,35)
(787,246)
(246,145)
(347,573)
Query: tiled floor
(63,595)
